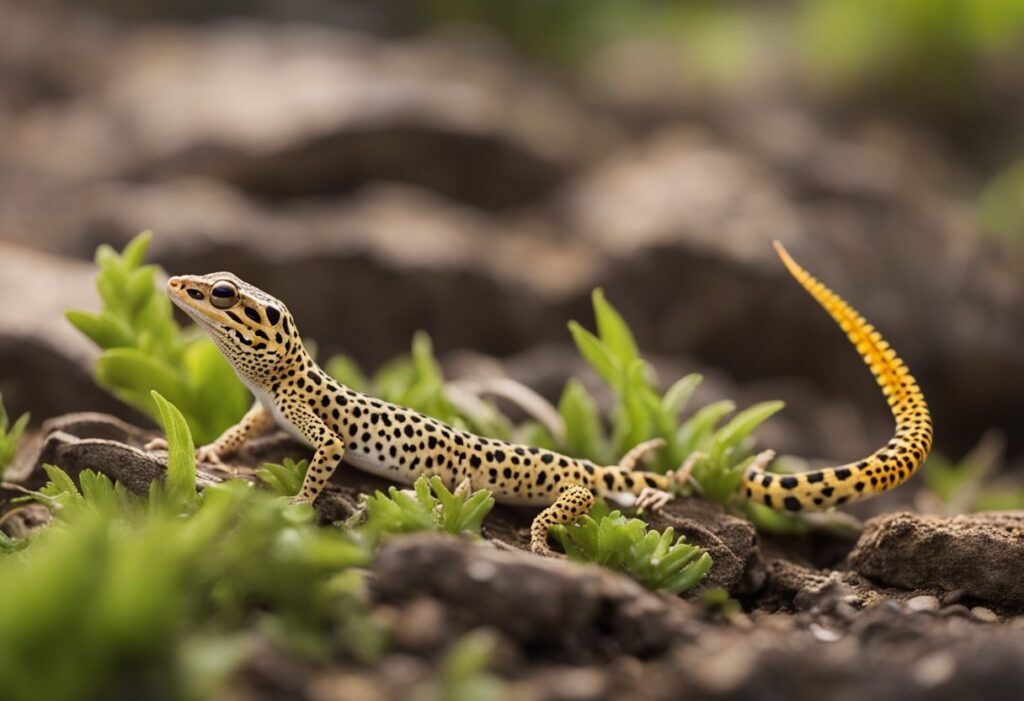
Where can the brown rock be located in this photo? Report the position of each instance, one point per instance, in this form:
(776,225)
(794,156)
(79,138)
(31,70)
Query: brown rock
(45,364)
(574,612)
(310,111)
(977,553)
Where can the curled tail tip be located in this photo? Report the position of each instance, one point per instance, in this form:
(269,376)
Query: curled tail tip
(787,259)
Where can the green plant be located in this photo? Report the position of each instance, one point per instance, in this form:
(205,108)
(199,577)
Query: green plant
(161,595)
(928,46)
(971,483)
(463,674)
(284,479)
(641,412)
(144,349)
(9,437)
(1001,206)
(431,507)
(718,600)
(656,560)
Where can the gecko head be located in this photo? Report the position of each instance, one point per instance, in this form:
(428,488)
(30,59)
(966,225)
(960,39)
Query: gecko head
(253,329)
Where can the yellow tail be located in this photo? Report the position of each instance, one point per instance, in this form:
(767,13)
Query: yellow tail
(889,466)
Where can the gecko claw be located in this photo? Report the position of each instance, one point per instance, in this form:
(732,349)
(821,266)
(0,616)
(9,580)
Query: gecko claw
(653,500)
(155,444)
(205,453)
(208,454)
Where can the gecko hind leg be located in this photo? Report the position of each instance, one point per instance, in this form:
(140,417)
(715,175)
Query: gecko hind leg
(325,461)
(637,453)
(574,502)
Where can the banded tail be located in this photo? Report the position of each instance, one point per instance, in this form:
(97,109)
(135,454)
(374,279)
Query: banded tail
(888,466)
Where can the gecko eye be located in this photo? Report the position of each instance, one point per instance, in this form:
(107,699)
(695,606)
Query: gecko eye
(223,294)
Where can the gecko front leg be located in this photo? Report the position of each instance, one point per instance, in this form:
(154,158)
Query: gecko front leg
(256,422)
(330,449)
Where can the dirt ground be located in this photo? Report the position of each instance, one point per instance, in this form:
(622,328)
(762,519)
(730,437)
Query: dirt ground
(915,607)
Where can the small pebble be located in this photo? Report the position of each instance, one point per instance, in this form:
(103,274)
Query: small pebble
(953,597)
(922,603)
(985,615)
(824,634)
(937,668)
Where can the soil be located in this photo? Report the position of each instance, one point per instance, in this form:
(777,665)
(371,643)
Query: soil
(917,607)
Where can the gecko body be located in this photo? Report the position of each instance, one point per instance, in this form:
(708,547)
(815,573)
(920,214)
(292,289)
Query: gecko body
(258,335)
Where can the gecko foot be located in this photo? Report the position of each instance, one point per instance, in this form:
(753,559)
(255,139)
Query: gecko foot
(205,453)
(544,550)
(652,500)
(208,454)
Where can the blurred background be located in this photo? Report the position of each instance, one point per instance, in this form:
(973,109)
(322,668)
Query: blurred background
(475,167)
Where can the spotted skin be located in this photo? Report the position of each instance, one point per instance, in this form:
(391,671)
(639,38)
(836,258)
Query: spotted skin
(259,337)
(887,467)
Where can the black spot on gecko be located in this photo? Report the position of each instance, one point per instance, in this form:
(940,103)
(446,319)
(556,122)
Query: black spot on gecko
(253,314)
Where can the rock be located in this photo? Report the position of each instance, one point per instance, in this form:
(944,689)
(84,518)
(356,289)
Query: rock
(985,615)
(730,541)
(977,553)
(106,444)
(45,364)
(921,603)
(312,111)
(560,610)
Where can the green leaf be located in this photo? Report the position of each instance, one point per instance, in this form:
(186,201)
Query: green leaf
(746,421)
(678,395)
(105,330)
(597,354)
(583,433)
(133,371)
(285,478)
(60,482)
(181,457)
(135,252)
(346,371)
(215,398)
(695,432)
(613,330)
(10,436)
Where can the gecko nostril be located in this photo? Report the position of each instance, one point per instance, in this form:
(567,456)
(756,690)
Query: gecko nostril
(174,282)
